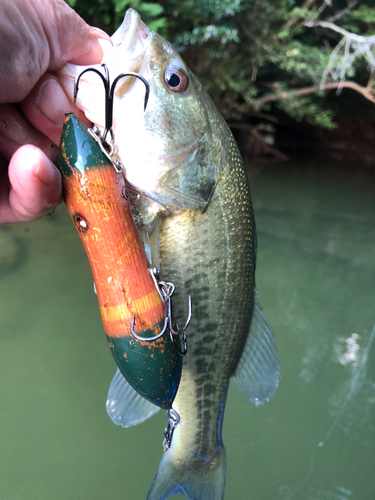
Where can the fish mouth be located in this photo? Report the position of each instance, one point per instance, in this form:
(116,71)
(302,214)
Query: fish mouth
(132,32)
(132,39)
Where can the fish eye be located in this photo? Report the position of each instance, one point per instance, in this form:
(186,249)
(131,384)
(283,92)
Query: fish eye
(176,79)
(80,223)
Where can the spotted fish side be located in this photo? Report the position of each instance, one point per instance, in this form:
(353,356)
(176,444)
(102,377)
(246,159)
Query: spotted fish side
(218,273)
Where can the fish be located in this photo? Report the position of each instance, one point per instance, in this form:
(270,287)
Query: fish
(192,208)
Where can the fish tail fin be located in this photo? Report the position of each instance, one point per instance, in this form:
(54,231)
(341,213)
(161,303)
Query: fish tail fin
(196,479)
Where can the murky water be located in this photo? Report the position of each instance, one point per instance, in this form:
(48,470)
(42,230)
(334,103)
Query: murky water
(316,278)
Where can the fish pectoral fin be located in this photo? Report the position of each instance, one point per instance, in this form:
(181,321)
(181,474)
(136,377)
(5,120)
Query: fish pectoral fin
(196,479)
(151,241)
(258,371)
(190,185)
(125,406)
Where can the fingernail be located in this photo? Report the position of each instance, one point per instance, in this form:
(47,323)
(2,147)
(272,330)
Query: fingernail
(43,168)
(47,174)
(94,49)
(100,33)
(52,102)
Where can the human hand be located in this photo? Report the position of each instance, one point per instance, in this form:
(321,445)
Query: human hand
(37,37)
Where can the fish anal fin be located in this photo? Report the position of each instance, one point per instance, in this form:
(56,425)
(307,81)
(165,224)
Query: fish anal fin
(258,371)
(125,406)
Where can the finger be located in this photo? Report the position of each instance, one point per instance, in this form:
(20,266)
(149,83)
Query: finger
(74,41)
(46,105)
(34,186)
(41,35)
(15,131)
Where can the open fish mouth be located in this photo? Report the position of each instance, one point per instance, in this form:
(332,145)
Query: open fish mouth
(132,41)
(131,44)
(132,32)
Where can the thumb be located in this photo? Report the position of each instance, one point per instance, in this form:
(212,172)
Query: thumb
(70,39)
(39,36)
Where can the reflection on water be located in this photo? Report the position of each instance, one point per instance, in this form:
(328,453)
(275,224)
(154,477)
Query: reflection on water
(359,381)
(316,278)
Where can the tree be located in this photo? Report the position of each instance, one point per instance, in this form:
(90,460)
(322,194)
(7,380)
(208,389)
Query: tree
(257,56)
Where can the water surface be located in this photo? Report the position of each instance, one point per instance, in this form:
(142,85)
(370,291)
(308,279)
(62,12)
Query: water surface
(316,279)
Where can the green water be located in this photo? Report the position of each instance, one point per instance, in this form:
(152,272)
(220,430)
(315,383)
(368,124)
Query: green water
(316,278)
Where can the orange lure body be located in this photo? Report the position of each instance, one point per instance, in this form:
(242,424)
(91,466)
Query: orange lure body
(96,198)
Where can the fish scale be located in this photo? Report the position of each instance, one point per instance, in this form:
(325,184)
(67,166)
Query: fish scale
(223,306)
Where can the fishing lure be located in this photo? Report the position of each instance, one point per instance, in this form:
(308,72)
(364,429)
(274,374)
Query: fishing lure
(135,304)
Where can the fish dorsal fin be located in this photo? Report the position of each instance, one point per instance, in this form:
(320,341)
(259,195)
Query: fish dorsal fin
(258,371)
(125,406)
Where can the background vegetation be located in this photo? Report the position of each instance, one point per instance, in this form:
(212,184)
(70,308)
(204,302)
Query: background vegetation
(262,59)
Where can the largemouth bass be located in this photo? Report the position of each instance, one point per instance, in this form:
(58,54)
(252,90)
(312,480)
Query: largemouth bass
(191,204)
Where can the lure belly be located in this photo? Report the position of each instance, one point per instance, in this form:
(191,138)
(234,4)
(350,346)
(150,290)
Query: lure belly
(129,299)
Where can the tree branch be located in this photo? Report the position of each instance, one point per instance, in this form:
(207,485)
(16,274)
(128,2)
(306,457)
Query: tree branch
(334,27)
(255,144)
(311,23)
(291,23)
(343,12)
(351,48)
(371,80)
(368,92)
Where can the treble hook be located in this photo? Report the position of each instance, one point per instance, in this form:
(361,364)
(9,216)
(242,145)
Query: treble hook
(109,95)
(166,291)
(148,339)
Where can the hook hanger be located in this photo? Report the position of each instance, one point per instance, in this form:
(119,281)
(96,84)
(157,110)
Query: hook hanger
(173,421)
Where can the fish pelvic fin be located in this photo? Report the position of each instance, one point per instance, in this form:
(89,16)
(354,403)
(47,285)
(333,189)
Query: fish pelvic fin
(196,479)
(258,370)
(125,406)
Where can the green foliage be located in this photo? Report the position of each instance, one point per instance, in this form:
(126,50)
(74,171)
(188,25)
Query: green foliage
(247,50)
(109,14)
(307,108)
(362,17)
(148,10)
(268,46)
(202,34)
